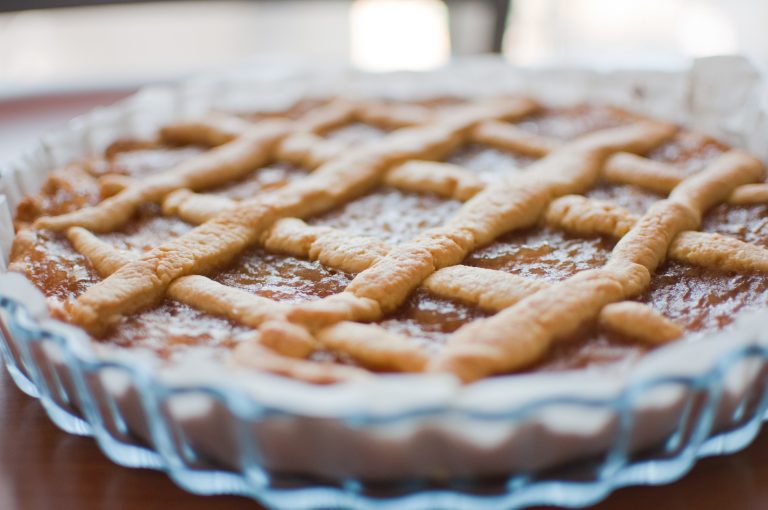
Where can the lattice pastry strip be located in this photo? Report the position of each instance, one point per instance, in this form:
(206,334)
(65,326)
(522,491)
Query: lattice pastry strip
(640,321)
(196,291)
(494,290)
(451,181)
(372,346)
(442,179)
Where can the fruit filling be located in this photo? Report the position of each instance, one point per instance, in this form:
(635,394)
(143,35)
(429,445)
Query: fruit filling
(390,214)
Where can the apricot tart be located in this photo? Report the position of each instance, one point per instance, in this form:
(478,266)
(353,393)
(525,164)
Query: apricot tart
(340,239)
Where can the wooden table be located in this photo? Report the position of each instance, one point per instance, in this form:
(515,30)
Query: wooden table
(42,468)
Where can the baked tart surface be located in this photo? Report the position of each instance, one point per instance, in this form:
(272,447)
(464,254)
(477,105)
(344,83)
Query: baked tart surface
(339,238)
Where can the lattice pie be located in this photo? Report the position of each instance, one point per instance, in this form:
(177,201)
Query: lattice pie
(340,238)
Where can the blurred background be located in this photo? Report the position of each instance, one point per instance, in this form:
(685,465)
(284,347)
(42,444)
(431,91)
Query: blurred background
(119,42)
(70,46)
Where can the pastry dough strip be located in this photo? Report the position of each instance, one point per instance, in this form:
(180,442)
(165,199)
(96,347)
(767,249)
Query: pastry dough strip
(494,290)
(254,355)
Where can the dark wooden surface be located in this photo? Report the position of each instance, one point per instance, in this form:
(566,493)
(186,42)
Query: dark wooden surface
(42,468)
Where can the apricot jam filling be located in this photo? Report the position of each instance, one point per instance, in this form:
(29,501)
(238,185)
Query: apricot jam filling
(567,123)
(147,229)
(429,319)
(633,198)
(542,253)
(688,152)
(390,214)
(747,223)
(143,162)
(702,299)
(355,133)
(53,265)
(489,163)
(282,277)
(171,328)
(261,180)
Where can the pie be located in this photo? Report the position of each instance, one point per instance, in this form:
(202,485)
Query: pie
(340,238)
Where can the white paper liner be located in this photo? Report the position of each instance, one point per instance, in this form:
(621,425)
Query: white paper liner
(724,97)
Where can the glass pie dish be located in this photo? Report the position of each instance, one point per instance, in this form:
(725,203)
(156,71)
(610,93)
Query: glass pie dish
(398,440)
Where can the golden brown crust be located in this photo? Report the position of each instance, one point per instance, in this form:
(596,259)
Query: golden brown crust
(195,208)
(215,129)
(254,355)
(333,248)
(639,321)
(287,339)
(308,150)
(238,305)
(374,347)
(442,179)
(580,215)
(112,184)
(719,252)
(486,346)
(489,289)
(627,168)
(338,307)
(327,117)
(512,138)
(723,176)
(103,257)
(749,194)
(196,291)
